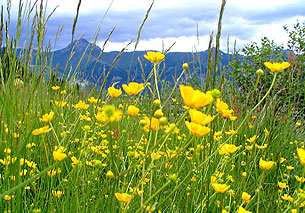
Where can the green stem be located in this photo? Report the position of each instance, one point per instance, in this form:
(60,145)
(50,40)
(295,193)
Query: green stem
(156,82)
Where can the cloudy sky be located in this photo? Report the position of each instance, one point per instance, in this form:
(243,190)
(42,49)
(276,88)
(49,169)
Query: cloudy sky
(172,21)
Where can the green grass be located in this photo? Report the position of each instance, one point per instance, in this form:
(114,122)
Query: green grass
(164,168)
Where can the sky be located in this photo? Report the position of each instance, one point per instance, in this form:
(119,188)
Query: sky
(185,23)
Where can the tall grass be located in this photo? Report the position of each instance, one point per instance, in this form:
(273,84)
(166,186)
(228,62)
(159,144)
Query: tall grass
(97,146)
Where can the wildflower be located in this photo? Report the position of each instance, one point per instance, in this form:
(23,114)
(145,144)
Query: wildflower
(63,92)
(58,155)
(113,92)
(133,110)
(301,154)
(154,57)
(109,174)
(109,114)
(233,118)
(221,188)
(57,193)
(231,132)
(47,117)
(289,167)
(197,129)
(223,109)
(185,66)
(41,130)
(261,147)
(55,88)
(226,149)
(7,197)
(60,103)
(133,88)
(246,197)
(265,165)
(287,197)
(282,185)
(200,118)
(217,136)
(244,174)
(155,156)
(277,67)
(266,132)
(195,98)
(75,162)
(93,100)
(81,105)
(259,72)
(298,123)
(252,139)
(158,113)
(123,197)
(242,210)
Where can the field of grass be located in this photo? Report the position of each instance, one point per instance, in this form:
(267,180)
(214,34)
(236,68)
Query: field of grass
(144,147)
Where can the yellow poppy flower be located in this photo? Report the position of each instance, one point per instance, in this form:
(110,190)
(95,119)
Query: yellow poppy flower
(265,165)
(133,88)
(113,92)
(301,154)
(220,188)
(245,197)
(277,67)
(197,129)
(200,118)
(133,110)
(154,57)
(41,130)
(195,98)
(123,197)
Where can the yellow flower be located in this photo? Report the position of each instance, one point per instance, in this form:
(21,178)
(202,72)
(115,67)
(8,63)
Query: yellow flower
(75,162)
(261,147)
(41,130)
(277,67)
(57,193)
(123,197)
(252,139)
(221,188)
(289,167)
(133,110)
(109,114)
(287,197)
(282,185)
(197,129)
(195,98)
(242,210)
(113,92)
(200,118)
(155,156)
(109,174)
(226,149)
(60,103)
(231,132)
(47,117)
(92,100)
(81,105)
(265,165)
(55,88)
(217,136)
(154,57)
(298,123)
(245,197)
(223,109)
(301,154)
(58,155)
(133,88)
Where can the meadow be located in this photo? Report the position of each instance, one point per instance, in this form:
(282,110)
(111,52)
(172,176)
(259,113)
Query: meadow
(198,146)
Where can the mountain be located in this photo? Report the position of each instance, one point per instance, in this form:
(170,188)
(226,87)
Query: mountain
(93,69)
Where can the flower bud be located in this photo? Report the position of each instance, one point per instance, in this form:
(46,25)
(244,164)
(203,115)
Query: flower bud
(109,174)
(148,84)
(216,93)
(163,121)
(185,66)
(157,103)
(172,177)
(259,72)
(97,163)
(143,122)
(158,113)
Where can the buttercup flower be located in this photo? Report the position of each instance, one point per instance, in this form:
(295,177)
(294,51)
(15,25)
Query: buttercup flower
(133,110)
(265,165)
(123,197)
(242,210)
(58,155)
(133,88)
(154,57)
(226,149)
(195,98)
(277,67)
(113,92)
(200,118)
(41,130)
(47,117)
(221,188)
(301,154)
(282,185)
(223,109)
(197,129)
(55,88)
(246,197)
